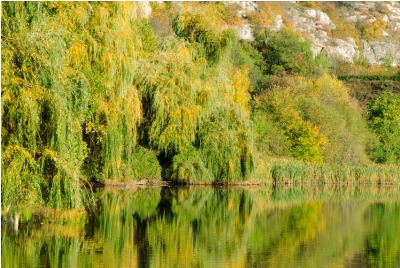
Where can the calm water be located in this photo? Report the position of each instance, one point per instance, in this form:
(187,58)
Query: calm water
(220,227)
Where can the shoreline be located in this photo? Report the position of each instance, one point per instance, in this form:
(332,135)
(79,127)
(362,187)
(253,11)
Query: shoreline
(140,184)
(137,184)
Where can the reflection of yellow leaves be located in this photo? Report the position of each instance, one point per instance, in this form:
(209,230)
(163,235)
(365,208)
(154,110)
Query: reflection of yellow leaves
(231,169)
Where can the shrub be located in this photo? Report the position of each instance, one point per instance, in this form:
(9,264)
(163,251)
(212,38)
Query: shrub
(317,118)
(245,54)
(384,117)
(372,30)
(285,51)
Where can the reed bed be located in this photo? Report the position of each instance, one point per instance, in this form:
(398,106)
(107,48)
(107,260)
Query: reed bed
(293,172)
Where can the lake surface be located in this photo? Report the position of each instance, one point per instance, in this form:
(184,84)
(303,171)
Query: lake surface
(220,227)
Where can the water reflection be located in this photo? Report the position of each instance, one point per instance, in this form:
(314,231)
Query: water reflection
(209,227)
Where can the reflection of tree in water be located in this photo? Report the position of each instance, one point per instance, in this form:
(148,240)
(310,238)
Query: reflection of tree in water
(140,226)
(282,242)
(195,227)
(212,227)
(382,243)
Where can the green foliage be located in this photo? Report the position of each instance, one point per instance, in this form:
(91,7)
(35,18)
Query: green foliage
(285,51)
(384,118)
(43,105)
(245,54)
(145,164)
(320,122)
(304,140)
(269,137)
(186,117)
(189,167)
(201,23)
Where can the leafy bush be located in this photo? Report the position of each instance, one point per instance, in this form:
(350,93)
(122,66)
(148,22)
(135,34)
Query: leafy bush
(284,51)
(317,121)
(372,30)
(245,54)
(384,117)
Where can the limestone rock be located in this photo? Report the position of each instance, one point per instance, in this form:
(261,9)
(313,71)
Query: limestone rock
(244,32)
(340,49)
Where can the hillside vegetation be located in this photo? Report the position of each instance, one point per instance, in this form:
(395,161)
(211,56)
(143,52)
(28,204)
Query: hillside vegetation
(95,91)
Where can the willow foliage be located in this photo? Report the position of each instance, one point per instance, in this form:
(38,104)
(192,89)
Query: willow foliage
(68,70)
(84,84)
(43,106)
(113,49)
(202,24)
(187,118)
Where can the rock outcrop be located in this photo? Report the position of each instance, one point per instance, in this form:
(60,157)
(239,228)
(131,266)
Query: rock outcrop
(343,31)
(375,29)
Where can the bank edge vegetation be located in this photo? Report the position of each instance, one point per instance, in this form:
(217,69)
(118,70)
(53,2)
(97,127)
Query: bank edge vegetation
(92,91)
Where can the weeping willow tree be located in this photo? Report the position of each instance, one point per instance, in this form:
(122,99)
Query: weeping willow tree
(67,93)
(198,119)
(44,101)
(88,93)
(165,99)
(111,46)
(201,23)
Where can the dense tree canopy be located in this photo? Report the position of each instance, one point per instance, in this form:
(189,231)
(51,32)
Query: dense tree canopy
(87,92)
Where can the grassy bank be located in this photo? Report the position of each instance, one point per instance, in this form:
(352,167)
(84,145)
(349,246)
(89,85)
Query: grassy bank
(282,171)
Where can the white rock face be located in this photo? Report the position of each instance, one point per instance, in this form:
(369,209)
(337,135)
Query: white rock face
(320,17)
(245,32)
(394,25)
(368,52)
(144,9)
(376,51)
(278,23)
(384,49)
(316,25)
(339,49)
(247,6)
(394,10)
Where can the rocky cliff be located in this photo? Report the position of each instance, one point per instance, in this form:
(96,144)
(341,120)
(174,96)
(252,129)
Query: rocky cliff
(342,31)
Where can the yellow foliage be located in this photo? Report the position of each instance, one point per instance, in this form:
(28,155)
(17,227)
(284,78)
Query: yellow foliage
(326,88)
(242,86)
(78,54)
